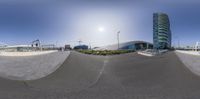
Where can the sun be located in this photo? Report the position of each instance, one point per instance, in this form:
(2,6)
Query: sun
(101,29)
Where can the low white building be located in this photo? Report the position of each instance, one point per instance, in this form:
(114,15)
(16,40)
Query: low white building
(18,48)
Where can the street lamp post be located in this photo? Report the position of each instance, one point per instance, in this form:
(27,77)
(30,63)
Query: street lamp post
(118,39)
(79,42)
(196,46)
(178,43)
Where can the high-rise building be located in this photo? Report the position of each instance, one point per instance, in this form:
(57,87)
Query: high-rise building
(161,31)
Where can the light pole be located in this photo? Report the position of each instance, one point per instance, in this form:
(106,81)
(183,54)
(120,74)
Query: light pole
(196,46)
(178,42)
(118,39)
(79,42)
(90,46)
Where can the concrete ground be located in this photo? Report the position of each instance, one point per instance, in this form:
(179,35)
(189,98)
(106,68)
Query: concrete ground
(128,76)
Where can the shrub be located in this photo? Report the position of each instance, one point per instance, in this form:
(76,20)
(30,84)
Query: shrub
(105,52)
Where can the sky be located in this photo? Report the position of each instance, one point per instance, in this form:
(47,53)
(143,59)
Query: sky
(95,22)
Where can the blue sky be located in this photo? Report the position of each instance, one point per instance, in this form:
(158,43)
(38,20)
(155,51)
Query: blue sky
(66,22)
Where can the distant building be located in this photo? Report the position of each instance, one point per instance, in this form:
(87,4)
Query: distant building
(84,47)
(18,48)
(161,31)
(2,45)
(48,47)
(68,47)
(132,45)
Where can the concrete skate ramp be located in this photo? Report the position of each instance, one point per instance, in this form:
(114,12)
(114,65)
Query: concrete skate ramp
(26,53)
(191,60)
(127,76)
(27,66)
(78,72)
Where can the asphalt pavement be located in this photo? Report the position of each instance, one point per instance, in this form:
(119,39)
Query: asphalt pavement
(126,76)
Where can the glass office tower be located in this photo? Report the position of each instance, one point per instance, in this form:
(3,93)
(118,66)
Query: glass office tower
(161,31)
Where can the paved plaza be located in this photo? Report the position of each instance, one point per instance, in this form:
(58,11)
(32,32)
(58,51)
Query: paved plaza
(127,76)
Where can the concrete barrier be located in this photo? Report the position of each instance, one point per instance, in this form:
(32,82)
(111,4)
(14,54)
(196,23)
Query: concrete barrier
(152,52)
(145,54)
(30,66)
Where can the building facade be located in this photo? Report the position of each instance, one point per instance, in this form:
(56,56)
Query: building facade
(83,47)
(131,45)
(161,31)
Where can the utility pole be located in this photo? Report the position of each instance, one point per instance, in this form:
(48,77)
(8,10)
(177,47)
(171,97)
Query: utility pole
(118,39)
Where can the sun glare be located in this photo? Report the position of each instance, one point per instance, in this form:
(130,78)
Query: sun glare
(101,29)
